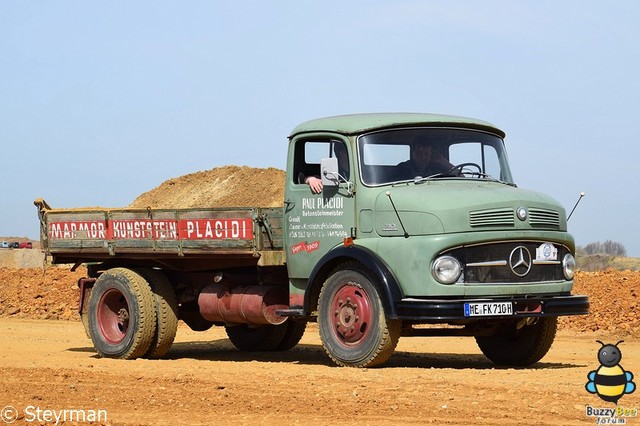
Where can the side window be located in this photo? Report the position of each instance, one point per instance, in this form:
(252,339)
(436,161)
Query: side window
(308,155)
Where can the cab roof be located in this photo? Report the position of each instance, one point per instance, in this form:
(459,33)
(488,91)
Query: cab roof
(360,123)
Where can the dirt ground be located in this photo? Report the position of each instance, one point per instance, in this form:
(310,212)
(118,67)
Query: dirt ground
(204,380)
(48,363)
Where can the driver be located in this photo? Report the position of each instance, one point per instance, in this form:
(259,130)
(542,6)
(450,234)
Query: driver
(423,162)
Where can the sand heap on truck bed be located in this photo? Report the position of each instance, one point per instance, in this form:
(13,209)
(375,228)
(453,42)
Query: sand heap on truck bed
(227,186)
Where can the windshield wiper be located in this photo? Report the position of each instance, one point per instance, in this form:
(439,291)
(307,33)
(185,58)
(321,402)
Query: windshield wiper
(476,175)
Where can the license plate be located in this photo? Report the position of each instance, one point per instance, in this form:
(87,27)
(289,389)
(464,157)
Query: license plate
(485,309)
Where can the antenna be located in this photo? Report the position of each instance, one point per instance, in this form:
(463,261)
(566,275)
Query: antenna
(388,194)
(582,194)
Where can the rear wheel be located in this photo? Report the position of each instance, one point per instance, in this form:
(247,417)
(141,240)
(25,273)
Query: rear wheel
(353,327)
(190,314)
(166,307)
(84,319)
(520,346)
(293,334)
(122,315)
(260,338)
(84,313)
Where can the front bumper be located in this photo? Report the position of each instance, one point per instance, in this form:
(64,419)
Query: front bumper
(441,310)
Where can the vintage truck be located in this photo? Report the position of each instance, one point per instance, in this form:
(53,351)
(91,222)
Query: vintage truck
(378,253)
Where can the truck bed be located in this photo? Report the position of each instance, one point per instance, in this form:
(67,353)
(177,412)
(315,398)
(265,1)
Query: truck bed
(183,238)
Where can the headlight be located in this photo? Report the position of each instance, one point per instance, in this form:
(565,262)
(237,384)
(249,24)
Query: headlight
(446,269)
(569,266)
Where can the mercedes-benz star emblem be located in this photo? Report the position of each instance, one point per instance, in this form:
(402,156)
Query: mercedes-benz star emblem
(520,261)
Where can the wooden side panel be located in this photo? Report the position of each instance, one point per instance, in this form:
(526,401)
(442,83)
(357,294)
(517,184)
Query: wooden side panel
(173,231)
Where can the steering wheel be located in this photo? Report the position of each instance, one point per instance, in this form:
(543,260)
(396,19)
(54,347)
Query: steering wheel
(458,169)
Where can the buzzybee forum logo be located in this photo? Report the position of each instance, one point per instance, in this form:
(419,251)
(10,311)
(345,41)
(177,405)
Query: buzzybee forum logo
(610,381)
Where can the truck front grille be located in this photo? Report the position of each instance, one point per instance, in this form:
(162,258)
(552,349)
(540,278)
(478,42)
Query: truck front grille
(501,263)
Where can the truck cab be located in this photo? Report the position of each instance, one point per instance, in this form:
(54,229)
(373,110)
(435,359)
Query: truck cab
(422,223)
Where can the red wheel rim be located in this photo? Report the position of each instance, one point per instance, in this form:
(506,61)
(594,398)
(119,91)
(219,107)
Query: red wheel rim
(113,316)
(351,315)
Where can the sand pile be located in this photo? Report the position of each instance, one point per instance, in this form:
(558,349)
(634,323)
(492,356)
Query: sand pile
(228,186)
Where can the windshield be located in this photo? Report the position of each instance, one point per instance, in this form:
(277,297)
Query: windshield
(413,154)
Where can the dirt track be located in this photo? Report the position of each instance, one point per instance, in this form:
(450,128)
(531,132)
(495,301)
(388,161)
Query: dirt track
(46,361)
(52,365)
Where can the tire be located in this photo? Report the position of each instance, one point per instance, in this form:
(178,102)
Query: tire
(353,327)
(293,334)
(84,319)
(263,338)
(526,346)
(122,315)
(84,314)
(166,307)
(190,314)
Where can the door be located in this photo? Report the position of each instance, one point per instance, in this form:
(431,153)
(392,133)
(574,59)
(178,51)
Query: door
(316,222)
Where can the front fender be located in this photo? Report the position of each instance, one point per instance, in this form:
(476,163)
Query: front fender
(382,277)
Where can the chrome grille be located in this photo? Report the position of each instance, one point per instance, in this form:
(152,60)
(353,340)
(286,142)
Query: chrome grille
(489,263)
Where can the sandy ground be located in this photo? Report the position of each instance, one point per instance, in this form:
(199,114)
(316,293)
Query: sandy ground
(51,365)
(47,362)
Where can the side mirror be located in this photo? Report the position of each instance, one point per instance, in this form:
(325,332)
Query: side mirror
(329,172)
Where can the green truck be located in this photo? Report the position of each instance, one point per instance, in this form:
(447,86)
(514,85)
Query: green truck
(392,225)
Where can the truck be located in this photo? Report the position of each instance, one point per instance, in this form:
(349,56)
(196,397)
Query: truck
(375,254)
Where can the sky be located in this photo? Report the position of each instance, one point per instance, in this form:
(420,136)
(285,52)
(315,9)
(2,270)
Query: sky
(102,101)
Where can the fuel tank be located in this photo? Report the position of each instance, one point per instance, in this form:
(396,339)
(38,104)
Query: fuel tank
(243,305)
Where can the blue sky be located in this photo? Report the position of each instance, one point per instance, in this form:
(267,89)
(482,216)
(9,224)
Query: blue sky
(102,101)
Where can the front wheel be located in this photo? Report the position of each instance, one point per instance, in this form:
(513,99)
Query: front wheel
(519,346)
(353,327)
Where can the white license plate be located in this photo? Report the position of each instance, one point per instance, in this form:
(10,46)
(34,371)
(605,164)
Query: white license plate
(485,309)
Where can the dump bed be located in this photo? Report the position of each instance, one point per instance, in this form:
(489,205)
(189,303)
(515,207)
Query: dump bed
(169,236)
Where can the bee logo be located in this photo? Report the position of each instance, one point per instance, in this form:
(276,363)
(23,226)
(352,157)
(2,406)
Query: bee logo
(610,381)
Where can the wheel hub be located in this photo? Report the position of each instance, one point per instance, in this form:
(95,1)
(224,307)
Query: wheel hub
(113,316)
(352,314)
(347,314)
(123,319)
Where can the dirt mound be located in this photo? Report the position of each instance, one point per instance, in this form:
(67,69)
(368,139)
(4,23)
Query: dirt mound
(50,293)
(53,294)
(228,186)
(614,298)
